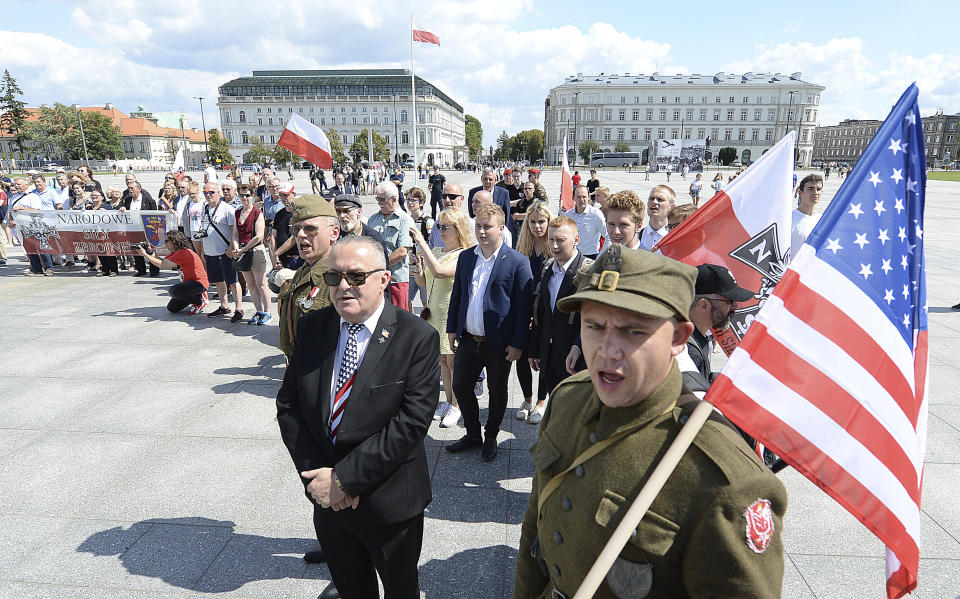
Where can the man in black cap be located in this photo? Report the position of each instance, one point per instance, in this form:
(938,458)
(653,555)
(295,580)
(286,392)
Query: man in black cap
(716,298)
(350,213)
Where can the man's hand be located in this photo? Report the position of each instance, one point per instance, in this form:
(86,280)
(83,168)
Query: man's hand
(513,354)
(534,364)
(452,338)
(571,362)
(323,488)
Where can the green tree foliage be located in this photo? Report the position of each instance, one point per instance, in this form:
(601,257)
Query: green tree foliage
(259,153)
(474,136)
(727,155)
(358,149)
(621,146)
(282,156)
(336,147)
(13,111)
(217,147)
(586,148)
(57,131)
(526,145)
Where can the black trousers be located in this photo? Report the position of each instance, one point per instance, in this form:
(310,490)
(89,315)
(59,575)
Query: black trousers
(183,294)
(141,265)
(108,264)
(357,550)
(472,357)
(525,375)
(436,203)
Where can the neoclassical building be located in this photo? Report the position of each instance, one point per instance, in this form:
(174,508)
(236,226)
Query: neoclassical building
(749,112)
(349,101)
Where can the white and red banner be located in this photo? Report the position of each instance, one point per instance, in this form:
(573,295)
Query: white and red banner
(308,141)
(177,168)
(745,228)
(419,35)
(566,182)
(96,232)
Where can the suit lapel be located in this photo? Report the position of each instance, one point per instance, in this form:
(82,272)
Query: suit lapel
(328,350)
(383,336)
(568,276)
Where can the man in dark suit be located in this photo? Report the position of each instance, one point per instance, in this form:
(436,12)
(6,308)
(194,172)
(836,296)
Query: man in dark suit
(554,332)
(342,185)
(355,430)
(137,198)
(501,197)
(487,324)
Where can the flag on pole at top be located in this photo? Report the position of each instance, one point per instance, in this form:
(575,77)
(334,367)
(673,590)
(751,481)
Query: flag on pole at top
(420,35)
(308,141)
(832,375)
(177,168)
(566,182)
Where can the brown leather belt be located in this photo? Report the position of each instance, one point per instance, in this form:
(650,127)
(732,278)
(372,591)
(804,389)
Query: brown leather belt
(477,338)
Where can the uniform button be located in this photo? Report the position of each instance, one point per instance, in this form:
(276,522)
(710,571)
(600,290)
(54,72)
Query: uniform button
(557,537)
(556,570)
(593,437)
(566,505)
(579,472)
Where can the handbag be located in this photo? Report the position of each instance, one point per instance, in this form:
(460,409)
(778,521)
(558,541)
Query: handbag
(245,262)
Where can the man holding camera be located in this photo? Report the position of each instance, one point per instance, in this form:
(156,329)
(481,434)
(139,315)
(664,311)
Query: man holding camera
(137,199)
(216,231)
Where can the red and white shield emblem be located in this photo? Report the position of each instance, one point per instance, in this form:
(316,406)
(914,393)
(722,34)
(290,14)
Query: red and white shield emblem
(759,518)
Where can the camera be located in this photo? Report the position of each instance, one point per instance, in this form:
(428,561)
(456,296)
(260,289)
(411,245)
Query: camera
(200,235)
(88,204)
(144,245)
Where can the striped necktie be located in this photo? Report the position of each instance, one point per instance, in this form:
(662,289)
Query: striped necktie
(348,368)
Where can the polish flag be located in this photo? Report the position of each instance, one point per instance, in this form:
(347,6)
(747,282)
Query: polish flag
(177,168)
(746,228)
(307,141)
(566,183)
(419,35)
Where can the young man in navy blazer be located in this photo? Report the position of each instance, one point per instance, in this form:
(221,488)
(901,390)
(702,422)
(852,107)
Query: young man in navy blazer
(488,324)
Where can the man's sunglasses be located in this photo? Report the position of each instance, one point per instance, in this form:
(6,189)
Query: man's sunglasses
(246,195)
(355,279)
(209,193)
(309,230)
(452,196)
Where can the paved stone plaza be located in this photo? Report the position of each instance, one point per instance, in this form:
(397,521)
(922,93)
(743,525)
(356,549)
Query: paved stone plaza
(140,457)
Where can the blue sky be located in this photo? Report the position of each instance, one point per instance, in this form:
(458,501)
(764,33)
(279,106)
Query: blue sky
(498,58)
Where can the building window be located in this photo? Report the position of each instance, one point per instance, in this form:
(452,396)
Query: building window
(323,120)
(301,110)
(757,114)
(635,115)
(746,100)
(701,133)
(289,109)
(689,99)
(262,139)
(659,133)
(404,137)
(633,135)
(741,135)
(607,115)
(622,116)
(606,135)
(676,115)
(343,120)
(703,115)
(732,100)
(743,115)
(689,115)
(141,147)
(726,135)
(243,116)
(649,115)
(663,115)
(755,135)
(674,134)
(646,135)
(789,115)
(716,115)
(759,99)
(270,120)
(403,117)
(259,120)
(269,110)
(771,115)
(312,122)
(226,116)
(620,134)
(623,99)
(769,135)
(729,115)
(280,122)
(244,139)
(703,100)
(589,133)
(717,100)
(354,120)
(273,139)
(663,99)
(387,137)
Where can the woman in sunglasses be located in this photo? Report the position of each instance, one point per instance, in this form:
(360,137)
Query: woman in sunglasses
(250,254)
(437,277)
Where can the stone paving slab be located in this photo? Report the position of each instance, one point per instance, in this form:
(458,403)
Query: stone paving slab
(140,458)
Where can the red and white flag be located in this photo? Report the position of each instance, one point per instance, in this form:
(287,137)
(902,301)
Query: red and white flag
(746,228)
(308,141)
(566,183)
(420,35)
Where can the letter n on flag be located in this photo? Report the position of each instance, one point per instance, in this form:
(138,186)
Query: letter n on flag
(308,141)
(832,375)
(566,182)
(746,228)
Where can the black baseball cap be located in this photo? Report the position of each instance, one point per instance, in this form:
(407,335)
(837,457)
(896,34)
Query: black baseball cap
(717,280)
(347,199)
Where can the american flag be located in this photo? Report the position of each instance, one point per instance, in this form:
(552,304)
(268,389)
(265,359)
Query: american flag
(832,375)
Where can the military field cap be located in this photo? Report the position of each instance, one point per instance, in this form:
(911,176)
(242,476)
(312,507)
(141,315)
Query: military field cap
(309,206)
(717,280)
(635,280)
(348,199)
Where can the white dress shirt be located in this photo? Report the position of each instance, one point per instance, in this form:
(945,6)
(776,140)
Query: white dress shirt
(553,285)
(478,289)
(650,237)
(363,340)
(137,202)
(591,226)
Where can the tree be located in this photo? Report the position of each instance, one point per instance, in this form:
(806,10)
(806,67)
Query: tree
(621,146)
(103,137)
(218,148)
(474,136)
(505,148)
(282,156)
(258,153)
(727,155)
(336,148)
(529,145)
(586,148)
(13,111)
(57,130)
(358,149)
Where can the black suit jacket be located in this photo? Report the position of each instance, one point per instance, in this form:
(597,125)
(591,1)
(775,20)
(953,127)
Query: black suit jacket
(379,455)
(554,332)
(146,202)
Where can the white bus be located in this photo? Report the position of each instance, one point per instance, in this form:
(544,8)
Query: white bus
(602,159)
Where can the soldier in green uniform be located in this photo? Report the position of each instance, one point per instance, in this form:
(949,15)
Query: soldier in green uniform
(714,530)
(539,192)
(315,227)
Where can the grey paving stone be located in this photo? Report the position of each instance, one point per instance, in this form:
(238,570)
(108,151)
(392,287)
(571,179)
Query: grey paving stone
(474,505)
(168,557)
(842,577)
(794,586)
(21,534)
(943,441)
(21,590)
(13,439)
(466,469)
(78,553)
(257,566)
(941,487)
(249,412)
(41,403)
(470,573)
(944,384)
(939,578)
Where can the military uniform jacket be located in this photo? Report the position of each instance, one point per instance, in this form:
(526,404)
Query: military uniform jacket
(713,531)
(296,300)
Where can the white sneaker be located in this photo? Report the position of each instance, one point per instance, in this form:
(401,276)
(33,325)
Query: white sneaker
(536,415)
(524,411)
(442,409)
(451,418)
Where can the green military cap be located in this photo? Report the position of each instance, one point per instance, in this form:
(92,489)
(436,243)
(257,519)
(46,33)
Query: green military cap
(309,206)
(635,280)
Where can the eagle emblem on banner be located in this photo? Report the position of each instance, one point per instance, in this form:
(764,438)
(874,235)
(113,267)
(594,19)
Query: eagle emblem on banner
(155,228)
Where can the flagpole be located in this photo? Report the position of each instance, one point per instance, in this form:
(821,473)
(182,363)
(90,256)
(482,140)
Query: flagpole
(413,96)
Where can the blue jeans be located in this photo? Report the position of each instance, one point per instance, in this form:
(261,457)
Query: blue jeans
(36,260)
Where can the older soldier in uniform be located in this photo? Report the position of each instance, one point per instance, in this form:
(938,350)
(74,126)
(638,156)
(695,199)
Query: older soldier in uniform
(315,227)
(714,530)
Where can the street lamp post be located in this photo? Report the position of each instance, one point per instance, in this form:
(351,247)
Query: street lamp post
(396,134)
(796,149)
(83,137)
(203,123)
(576,115)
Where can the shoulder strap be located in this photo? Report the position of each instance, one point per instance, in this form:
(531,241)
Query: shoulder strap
(206,209)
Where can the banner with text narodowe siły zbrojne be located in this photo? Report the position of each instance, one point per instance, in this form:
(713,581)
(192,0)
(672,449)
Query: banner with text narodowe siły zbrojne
(101,232)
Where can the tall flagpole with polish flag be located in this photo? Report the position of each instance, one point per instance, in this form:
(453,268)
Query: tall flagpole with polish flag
(566,183)
(417,35)
(306,140)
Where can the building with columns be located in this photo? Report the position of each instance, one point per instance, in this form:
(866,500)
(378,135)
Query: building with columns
(348,101)
(748,112)
(843,142)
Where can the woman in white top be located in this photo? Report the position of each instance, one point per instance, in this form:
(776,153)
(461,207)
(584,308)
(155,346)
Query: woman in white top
(717,183)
